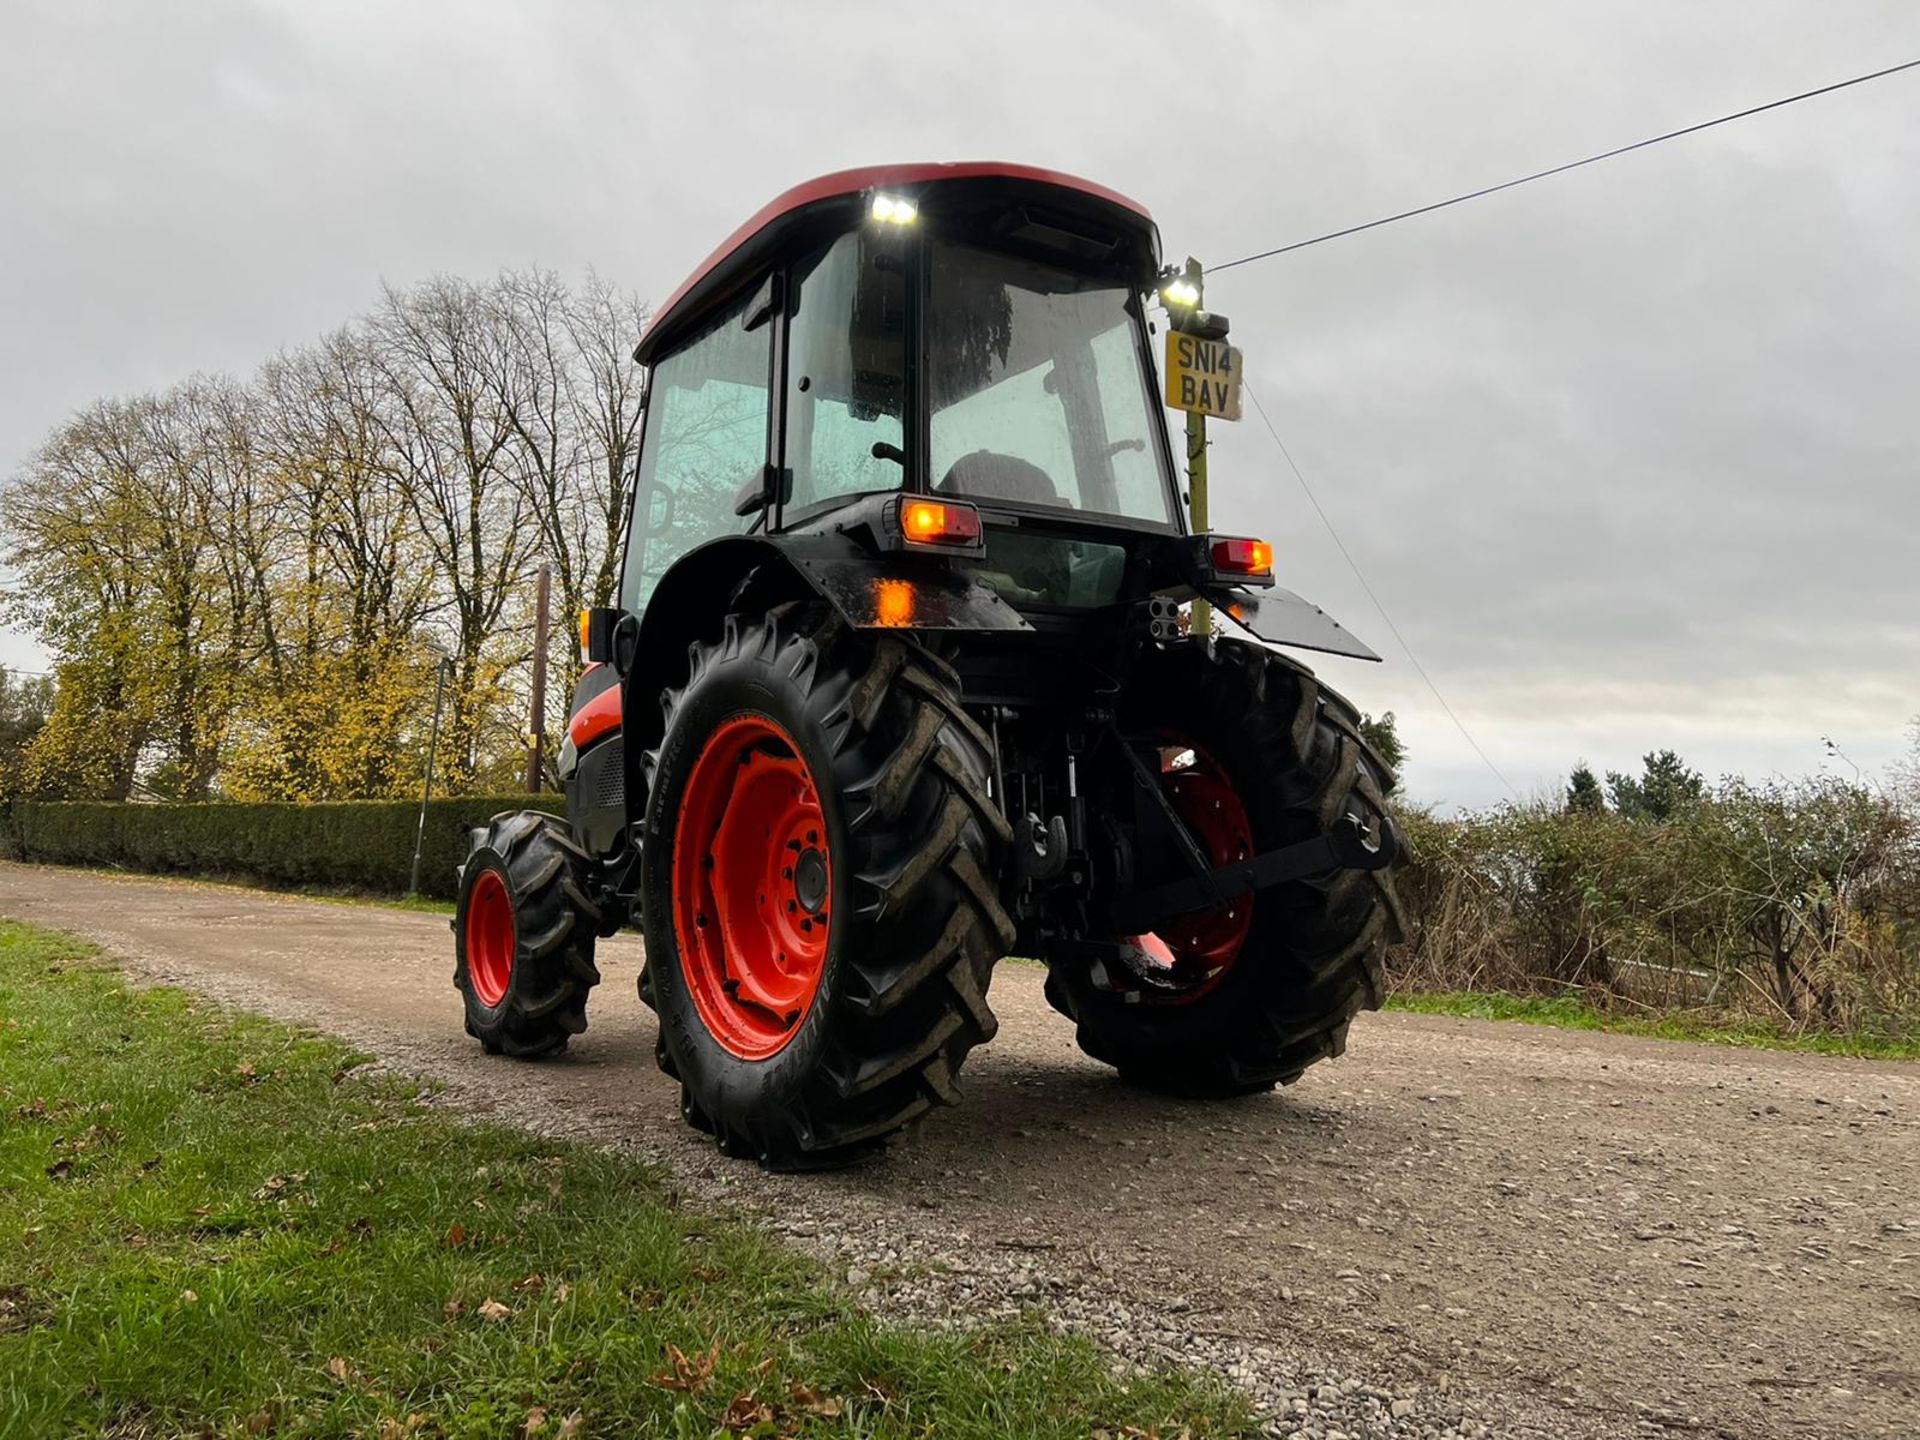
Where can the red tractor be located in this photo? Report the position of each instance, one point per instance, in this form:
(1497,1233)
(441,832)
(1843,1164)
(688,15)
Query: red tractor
(900,682)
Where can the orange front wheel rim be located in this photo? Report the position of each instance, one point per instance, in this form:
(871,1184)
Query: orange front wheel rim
(490,939)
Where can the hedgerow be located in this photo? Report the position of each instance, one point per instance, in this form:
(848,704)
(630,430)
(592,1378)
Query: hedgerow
(362,845)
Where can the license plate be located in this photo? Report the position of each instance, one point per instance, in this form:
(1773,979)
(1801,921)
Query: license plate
(1203,376)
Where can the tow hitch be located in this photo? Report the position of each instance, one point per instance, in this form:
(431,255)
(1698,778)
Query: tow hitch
(1349,845)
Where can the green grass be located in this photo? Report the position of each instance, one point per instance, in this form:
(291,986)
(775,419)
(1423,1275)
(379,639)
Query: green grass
(210,1224)
(1702,1027)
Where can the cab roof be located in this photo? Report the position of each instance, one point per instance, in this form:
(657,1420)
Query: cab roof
(741,254)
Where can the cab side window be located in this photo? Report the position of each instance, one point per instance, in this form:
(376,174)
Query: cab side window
(706,439)
(846,370)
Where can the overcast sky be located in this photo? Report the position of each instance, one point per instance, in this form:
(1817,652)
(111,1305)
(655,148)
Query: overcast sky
(1631,456)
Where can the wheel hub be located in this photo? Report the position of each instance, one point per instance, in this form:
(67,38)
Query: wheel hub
(810,880)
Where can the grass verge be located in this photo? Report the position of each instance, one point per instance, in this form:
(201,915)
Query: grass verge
(212,1224)
(1702,1027)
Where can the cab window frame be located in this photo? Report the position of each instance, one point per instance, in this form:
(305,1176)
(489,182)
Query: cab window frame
(783,514)
(1146,370)
(735,309)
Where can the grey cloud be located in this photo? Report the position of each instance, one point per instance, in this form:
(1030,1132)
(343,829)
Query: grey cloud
(1630,454)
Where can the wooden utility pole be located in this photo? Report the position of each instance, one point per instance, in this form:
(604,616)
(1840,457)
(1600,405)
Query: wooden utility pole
(537,735)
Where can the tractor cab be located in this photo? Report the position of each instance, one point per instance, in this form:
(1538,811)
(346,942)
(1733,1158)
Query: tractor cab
(973,335)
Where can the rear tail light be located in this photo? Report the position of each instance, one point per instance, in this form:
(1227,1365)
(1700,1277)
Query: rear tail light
(939,522)
(1241,558)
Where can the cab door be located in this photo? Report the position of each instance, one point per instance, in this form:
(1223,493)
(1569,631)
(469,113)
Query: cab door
(706,443)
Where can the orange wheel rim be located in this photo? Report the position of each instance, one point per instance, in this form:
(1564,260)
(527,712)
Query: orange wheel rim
(1199,949)
(489,938)
(752,887)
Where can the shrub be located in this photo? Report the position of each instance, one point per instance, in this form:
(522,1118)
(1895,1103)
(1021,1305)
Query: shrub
(1790,900)
(364,845)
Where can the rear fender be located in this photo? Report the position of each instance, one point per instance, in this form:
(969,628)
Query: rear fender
(1281,617)
(867,591)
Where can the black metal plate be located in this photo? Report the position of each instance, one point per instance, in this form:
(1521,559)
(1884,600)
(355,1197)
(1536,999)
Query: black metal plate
(1281,617)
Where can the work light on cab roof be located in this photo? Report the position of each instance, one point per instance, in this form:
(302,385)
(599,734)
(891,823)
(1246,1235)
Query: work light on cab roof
(924,653)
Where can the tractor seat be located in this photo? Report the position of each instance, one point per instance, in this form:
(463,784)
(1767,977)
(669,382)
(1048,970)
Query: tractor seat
(989,475)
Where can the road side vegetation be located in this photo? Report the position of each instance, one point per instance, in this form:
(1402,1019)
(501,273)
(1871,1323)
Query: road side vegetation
(362,846)
(1701,1025)
(1787,910)
(214,1224)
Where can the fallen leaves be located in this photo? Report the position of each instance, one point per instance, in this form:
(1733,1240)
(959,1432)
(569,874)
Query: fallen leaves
(392,1427)
(805,1397)
(747,1411)
(275,1186)
(491,1309)
(536,1424)
(338,1368)
(456,1236)
(689,1375)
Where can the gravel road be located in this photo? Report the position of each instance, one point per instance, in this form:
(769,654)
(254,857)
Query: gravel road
(1460,1229)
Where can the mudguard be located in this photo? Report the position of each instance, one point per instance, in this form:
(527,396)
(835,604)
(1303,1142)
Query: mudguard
(897,594)
(869,592)
(1281,617)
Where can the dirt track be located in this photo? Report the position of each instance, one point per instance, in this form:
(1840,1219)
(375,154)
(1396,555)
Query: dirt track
(1564,1233)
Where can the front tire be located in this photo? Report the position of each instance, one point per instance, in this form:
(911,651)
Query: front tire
(524,935)
(820,909)
(1275,758)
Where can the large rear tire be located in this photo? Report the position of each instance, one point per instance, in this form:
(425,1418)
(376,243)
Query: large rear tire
(820,905)
(1273,757)
(523,936)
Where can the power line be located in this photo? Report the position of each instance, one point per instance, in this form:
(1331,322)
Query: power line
(1354,566)
(1562,169)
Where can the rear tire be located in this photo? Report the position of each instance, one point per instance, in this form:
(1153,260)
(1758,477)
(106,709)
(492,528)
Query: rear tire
(910,849)
(524,935)
(1312,954)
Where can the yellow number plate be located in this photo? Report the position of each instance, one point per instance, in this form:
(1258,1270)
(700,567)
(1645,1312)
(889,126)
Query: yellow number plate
(1203,376)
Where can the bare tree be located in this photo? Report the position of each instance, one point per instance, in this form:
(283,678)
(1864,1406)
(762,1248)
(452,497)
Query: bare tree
(441,353)
(570,392)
